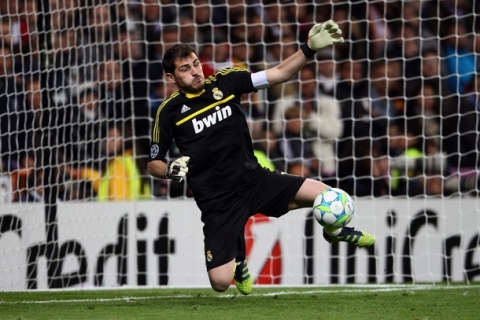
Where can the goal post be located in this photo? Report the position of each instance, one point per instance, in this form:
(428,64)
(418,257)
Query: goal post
(390,116)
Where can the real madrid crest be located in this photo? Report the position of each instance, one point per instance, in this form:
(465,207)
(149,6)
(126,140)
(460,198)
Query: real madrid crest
(217,94)
(209,256)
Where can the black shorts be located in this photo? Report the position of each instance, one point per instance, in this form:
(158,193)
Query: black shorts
(268,193)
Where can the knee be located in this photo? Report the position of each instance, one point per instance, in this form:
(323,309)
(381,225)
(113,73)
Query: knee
(221,277)
(220,286)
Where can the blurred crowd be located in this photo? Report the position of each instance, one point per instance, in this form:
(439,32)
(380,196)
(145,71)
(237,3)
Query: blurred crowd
(393,111)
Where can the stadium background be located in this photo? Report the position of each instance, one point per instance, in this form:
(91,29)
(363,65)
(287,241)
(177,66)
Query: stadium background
(391,116)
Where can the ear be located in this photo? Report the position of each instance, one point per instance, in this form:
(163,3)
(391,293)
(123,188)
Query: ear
(170,77)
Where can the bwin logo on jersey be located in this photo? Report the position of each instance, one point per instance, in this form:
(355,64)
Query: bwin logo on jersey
(212,119)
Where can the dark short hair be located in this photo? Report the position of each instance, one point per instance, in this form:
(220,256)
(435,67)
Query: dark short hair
(177,51)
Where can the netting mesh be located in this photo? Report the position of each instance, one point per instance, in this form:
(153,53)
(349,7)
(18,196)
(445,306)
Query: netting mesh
(390,112)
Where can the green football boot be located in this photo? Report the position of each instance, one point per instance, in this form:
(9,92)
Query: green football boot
(242,278)
(347,234)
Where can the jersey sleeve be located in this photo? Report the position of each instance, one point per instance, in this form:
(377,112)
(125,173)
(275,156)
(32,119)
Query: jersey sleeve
(239,80)
(162,134)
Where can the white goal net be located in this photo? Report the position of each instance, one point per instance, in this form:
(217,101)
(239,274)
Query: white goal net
(391,116)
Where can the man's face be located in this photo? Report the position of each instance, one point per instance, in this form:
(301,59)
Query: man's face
(6,62)
(308,83)
(111,74)
(188,74)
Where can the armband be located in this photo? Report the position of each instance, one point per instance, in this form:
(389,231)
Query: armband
(259,80)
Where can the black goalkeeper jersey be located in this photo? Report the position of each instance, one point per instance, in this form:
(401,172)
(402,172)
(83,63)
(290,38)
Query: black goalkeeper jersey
(210,128)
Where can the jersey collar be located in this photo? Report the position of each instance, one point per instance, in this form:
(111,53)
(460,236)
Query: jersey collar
(194,95)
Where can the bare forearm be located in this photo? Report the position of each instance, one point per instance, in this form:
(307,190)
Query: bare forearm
(286,69)
(321,35)
(157,169)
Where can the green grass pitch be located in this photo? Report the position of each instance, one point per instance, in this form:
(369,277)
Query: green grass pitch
(440,301)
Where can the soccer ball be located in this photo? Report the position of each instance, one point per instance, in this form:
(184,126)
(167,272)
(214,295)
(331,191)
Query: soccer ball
(333,208)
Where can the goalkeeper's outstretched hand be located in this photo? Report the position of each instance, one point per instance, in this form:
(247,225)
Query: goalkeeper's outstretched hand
(323,35)
(177,170)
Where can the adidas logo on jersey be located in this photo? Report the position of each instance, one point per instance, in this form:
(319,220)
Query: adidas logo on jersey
(211,119)
(184,109)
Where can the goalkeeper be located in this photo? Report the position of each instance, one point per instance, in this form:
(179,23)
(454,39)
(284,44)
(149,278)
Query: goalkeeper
(206,121)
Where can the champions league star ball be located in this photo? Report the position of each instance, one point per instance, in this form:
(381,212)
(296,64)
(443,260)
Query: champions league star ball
(333,208)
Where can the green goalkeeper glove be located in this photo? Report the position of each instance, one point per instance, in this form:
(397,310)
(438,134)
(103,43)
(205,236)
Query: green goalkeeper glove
(322,35)
(177,170)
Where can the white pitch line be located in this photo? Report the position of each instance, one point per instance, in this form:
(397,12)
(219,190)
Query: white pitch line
(359,289)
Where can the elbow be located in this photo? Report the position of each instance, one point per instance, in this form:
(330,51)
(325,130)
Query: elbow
(284,77)
(277,76)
